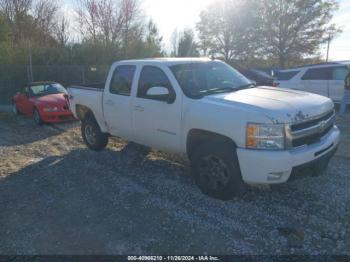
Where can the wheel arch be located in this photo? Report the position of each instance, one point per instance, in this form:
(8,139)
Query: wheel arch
(83,111)
(195,137)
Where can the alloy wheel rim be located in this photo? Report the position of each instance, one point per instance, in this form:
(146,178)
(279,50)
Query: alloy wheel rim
(214,173)
(90,135)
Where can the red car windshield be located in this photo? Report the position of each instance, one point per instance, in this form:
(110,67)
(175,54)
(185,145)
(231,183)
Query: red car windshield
(46,89)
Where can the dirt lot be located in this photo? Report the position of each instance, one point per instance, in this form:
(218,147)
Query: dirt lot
(57,197)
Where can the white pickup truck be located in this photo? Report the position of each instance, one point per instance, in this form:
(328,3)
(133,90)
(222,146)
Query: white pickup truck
(232,132)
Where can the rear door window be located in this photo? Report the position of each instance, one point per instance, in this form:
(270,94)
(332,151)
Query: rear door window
(322,73)
(285,76)
(339,73)
(122,80)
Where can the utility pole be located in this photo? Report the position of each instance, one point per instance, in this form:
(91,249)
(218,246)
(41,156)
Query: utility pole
(30,62)
(328,45)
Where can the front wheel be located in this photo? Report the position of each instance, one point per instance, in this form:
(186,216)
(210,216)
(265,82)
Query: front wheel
(37,117)
(92,134)
(216,171)
(15,109)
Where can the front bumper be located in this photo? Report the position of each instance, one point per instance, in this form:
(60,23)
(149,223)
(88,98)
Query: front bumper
(275,167)
(54,117)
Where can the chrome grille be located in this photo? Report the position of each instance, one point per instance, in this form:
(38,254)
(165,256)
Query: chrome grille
(312,130)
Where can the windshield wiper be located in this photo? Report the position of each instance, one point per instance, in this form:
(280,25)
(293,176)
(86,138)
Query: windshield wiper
(216,90)
(250,85)
(223,90)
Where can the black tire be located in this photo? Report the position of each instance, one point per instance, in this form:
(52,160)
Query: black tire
(37,117)
(92,135)
(221,178)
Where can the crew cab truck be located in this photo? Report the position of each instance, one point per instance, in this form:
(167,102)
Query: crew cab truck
(233,132)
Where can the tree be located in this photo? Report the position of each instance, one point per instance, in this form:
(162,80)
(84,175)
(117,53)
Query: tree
(226,28)
(109,21)
(30,19)
(187,47)
(174,40)
(61,31)
(153,41)
(291,30)
(87,19)
(5,41)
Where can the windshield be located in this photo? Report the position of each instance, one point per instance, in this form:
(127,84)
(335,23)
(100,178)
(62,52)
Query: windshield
(204,78)
(47,89)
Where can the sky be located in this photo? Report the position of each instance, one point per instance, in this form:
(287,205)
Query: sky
(170,15)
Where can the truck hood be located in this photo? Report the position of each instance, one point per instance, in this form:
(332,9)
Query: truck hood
(280,105)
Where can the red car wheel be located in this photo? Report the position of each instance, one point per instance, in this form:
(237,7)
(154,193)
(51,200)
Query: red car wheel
(15,109)
(37,117)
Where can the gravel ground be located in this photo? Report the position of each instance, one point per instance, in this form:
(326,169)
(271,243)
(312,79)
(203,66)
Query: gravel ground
(57,197)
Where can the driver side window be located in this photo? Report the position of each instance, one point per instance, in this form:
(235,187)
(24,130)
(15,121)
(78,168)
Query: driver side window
(152,76)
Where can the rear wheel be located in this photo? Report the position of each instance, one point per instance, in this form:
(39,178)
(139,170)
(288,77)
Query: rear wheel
(216,170)
(92,134)
(37,117)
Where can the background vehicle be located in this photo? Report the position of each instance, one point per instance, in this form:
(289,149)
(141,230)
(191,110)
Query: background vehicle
(46,102)
(231,132)
(323,79)
(259,77)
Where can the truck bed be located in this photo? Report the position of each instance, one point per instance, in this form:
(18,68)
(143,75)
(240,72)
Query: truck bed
(86,96)
(98,86)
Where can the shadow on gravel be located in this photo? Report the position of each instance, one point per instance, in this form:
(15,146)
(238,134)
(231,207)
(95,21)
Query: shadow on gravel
(122,202)
(129,201)
(83,202)
(21,130)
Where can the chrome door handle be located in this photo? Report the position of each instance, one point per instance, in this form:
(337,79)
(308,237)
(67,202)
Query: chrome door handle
(139,108)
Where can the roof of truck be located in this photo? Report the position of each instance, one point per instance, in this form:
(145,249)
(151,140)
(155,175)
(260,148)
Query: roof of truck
(168,60)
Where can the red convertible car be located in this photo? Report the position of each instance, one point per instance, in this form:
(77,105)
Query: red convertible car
(46,102)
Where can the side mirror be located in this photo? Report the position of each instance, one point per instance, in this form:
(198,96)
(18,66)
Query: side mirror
(160,93)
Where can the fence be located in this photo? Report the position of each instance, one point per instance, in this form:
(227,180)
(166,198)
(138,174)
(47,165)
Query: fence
(14,77)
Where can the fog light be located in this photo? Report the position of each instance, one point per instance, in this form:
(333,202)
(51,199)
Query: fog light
(275,176)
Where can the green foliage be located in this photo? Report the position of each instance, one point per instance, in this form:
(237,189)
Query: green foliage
(227,29)
(153,42)
(283,32)
(291,30)
(32,29)
(187,46)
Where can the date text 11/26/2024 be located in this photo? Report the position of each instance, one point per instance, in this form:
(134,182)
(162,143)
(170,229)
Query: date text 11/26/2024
(173,258)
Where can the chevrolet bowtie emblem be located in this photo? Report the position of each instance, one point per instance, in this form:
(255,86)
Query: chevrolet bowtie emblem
(322,125)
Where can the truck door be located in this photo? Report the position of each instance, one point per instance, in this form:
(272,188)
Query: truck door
(117,101)
(157,118)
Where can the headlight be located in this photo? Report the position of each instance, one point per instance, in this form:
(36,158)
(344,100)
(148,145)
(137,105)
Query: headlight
(266,136)
(50,109)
